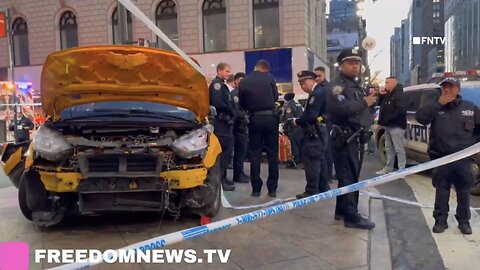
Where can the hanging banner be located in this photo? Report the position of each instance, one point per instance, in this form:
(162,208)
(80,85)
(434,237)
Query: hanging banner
(3,25)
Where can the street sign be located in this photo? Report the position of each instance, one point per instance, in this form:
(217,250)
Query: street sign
(3,25)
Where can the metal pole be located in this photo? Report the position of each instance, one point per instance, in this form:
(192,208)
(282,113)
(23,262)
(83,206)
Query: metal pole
(12,73)
(122,24)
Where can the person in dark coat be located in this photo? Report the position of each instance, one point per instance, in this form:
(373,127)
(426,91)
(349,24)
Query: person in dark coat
(293,109)
(24,125)
(454,126)
(393,116)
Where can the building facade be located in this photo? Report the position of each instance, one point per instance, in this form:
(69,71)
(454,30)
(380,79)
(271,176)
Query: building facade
(346,29)
(291,34)
(462,32)
(432,26)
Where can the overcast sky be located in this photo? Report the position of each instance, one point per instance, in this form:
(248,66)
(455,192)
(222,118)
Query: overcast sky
(382,17)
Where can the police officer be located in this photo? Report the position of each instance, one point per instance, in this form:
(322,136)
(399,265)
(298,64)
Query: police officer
(221,99)
(315,133)
(24,125)
(348,109)
(455,124)
(240,136)
(258,94)
(293,109)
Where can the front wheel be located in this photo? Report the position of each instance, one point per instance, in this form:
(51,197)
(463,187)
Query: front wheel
(22,200)
(214,179)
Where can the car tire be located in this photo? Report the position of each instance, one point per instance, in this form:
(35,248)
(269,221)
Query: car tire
(22,200)
(214,178)
(36,194)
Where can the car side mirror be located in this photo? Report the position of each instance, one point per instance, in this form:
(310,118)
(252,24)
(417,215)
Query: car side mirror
(213,111)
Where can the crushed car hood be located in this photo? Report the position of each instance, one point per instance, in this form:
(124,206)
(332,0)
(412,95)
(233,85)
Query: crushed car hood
(121,73)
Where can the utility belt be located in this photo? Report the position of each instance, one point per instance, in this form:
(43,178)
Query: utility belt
(342,135)
(264,112)
(314,131)
(225,118)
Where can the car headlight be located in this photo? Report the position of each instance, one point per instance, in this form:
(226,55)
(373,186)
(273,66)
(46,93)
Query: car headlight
(50,144)
(192,144)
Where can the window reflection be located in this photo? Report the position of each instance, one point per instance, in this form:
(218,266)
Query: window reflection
(214,25)
(266,23)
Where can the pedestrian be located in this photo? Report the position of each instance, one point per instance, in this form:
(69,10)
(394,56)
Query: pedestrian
(240,135)
(23,127)
(393,116)
(258,94)
(221,99)
(454,125)
(315,133)
(348,109)
(293,109)
(327,162)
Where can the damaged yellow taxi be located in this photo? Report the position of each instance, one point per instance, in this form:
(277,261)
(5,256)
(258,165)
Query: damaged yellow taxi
(127,130)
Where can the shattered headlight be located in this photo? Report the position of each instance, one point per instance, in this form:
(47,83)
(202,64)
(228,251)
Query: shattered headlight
(50,144)
(192,144)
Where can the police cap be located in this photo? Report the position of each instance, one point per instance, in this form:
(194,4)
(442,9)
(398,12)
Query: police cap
(451,80)
(349,54)
(306,74)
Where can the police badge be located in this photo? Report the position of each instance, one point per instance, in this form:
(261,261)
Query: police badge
(235,98)
(217,86)
(312,99)
(337,90)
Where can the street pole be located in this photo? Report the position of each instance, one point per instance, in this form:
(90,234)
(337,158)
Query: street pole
(12,73)
(122,23)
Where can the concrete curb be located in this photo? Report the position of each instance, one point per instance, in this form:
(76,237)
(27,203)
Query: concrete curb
(379,256)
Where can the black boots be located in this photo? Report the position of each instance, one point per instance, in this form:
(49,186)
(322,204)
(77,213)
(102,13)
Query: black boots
(359,223)
(465,228)
(440,226)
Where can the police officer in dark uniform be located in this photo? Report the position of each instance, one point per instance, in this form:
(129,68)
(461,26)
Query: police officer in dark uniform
(455,125)
(221,99)
(258,94)
(24,125)
(240,136)
(348,109)
(315,133)
(293,109)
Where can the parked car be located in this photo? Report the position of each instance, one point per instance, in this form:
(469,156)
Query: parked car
(127,131)
(417,135)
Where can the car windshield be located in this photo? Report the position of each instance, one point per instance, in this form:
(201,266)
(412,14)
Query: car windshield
(471,93)
(131,108)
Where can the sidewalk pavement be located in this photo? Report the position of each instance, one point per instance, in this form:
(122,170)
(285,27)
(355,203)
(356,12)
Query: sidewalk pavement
(305,238)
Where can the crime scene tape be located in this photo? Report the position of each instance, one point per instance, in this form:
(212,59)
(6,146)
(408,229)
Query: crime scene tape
(190,233)
(395,199)
(226,204)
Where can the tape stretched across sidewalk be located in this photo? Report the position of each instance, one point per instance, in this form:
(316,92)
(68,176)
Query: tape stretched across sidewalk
(190,233)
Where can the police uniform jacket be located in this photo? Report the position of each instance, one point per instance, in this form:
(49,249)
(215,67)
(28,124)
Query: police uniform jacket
(258,92)
(292,109)
(316,104)
(346,106)
(220,98)
(239,113)
(454,126)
